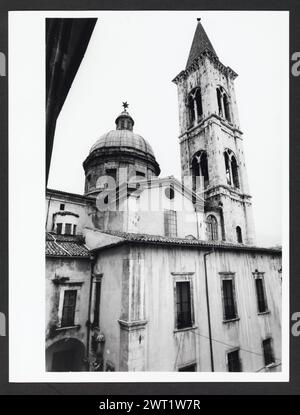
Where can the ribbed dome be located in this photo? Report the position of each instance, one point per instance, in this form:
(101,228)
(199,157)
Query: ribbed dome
(119,150)
(125,139)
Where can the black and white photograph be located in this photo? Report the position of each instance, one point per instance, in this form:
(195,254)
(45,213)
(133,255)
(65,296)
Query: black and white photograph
(163,200)
(156,235)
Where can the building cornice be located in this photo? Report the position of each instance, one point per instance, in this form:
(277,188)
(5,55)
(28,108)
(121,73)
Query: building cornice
(127,153)
(67,196)
(132,325)
(204,123)
(207,53)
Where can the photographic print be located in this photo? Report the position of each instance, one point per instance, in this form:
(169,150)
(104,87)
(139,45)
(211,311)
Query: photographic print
(161,222)
(147,270)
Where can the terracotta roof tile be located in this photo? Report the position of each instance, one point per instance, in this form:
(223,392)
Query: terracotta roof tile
(66,246)
(189,242)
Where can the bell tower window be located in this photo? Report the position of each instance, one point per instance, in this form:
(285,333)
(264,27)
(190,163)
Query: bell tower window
(220,107)
(200,170)
(227,168)
(231,169)
(223,104)
(194,104)
(198,103)
(226,107)
(235,175)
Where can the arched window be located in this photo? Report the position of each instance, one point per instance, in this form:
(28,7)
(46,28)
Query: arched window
(200,170)
(212,228)
(235,174)
(220,107)
(194,103)
(239,237)
(191,109)
(227,168)
(226,107)
(223,103)
(231,169)
(198,101)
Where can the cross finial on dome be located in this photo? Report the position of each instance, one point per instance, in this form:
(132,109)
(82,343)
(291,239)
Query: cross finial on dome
(125,105)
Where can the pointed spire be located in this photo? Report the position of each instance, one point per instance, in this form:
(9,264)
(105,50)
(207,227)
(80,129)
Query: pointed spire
(200,43)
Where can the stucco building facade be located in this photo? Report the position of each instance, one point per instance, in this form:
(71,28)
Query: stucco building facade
(152,274)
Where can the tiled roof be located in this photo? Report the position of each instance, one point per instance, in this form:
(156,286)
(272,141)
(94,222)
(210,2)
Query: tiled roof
(188,242)
(65,246)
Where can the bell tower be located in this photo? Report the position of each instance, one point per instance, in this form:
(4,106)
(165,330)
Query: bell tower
(211,142)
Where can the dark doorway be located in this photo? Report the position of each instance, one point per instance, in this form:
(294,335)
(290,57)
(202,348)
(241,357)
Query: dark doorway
(63,361)
(66,355)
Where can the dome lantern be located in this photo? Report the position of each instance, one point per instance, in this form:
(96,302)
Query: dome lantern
(124,121)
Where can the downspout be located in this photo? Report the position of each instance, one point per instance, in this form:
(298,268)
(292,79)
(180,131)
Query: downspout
(88,323)
(208,312)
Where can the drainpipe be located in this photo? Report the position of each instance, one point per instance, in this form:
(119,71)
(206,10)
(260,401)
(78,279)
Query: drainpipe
(208,312)
(88,323)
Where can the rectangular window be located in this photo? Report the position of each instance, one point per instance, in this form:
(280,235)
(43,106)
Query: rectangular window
(97,303)
(268,352)
(233,361)
(74,229)
(229,304)
(183,304)
(113,174)
(62,206)
(68,228)
(188,368)
(170,220)
(58,228)
(260,292)
(140,174)
(68,313)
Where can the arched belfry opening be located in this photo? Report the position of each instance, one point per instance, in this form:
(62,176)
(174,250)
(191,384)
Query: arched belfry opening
(227,168)
(220,106)
(235,174)
(223,103)
(226,107)
(194,104)
(231,169)
(191,110)
(200,171)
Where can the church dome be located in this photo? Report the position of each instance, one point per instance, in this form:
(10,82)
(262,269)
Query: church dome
(120,148)
(123,139)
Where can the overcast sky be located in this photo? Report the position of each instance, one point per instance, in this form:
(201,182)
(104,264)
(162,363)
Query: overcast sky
(134,56)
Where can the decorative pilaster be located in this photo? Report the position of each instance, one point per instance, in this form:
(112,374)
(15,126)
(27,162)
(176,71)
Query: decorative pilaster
(132,321)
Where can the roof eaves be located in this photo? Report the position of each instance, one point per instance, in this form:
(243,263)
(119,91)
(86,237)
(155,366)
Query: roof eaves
(130,239)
